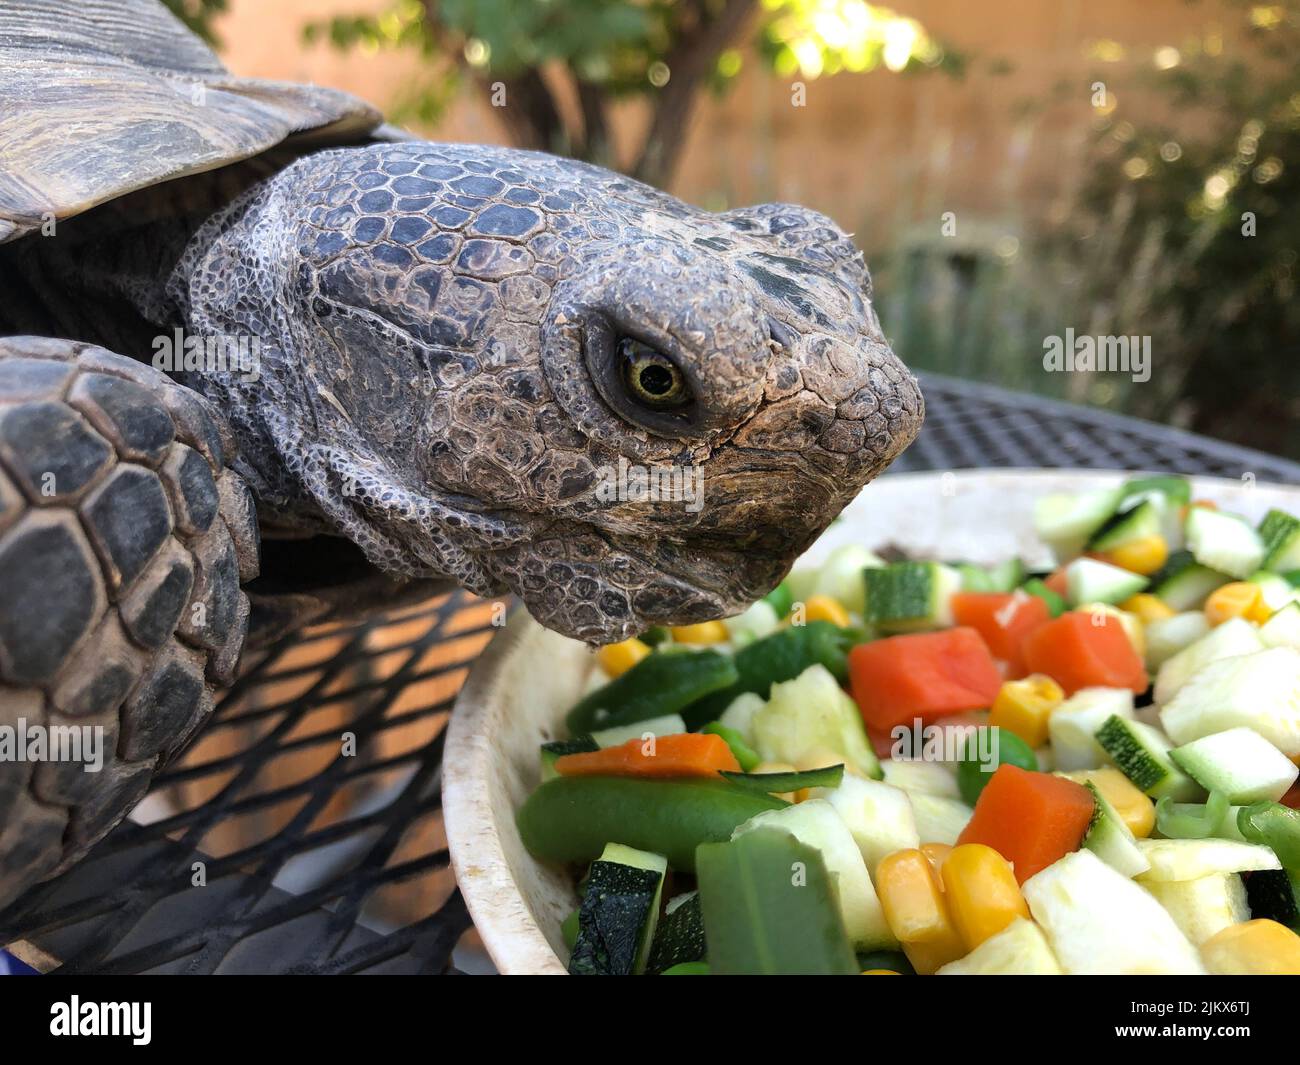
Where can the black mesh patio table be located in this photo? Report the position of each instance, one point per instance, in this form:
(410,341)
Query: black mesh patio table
(266,848)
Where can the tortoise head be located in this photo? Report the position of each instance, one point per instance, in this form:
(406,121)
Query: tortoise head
(532,374)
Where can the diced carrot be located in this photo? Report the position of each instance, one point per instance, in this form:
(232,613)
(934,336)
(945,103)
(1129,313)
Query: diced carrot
(1085,649)
(922,675)
(1003,621)
(1031,819)
(1059,583)
(686,754)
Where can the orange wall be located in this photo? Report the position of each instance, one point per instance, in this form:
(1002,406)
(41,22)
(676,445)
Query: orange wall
(878,151)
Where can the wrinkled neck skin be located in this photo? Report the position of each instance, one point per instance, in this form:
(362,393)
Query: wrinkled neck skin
(434,332)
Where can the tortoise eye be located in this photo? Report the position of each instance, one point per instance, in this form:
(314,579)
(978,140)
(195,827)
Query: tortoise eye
(652,378)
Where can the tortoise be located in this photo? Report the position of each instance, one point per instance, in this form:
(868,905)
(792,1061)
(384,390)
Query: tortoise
(264,358)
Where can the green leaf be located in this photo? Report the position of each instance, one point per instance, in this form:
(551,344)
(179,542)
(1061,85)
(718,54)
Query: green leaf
(768,908)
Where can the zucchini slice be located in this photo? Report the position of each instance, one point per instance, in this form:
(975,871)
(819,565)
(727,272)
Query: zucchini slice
(1142,754)
(680,935)
(1182,583)
(619,912)
(1280,532)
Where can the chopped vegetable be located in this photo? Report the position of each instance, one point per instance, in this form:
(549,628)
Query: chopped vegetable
(1023,707)
(840,576)
(1089,580)
(1080,650)
(1183,583)
(816,824)
(758,621)
(1020,949)
(1185,820)
(981,891)
(1031,819)
(1098,921)
(924,675)
(1260,691)
(705,632)
(913,901)
(1275,894)
(658,685)
(1143,555)
(668,725)
(1055,602)
(570,819)
(910,596)
(557,748)
(1134,807)
(679,938)
(1073,725)
(1006,748)
(1142,754)
(1223,542)
(1234,637)
(620,908)
(1189,859)
(769,908)
(687,754)
(810,714)
(774,659)
(939,820)
(780,599)
(1065,521)
(778,783)
(879,816)
(1238,762)
(617,658)
(1205,906)
(1276,827)
(928,778)
(1110,839)
(745,755)
(1167,636)
(1237,599)
(824,608)
(1253,948)
(1280,533)
(1147,608)
(1003,621)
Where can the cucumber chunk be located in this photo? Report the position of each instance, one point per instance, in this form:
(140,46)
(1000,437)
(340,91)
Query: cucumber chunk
(1098,921)
(668,725)
(1223,542)
(619,913)
(1090,581)
(910,596)
(939,820)
(1125,526)
(878,815)
(1238,763)
(809,714)
(1065,521)
(1260,691)
(1283,628)
(1142,755)
(1111,840)
(840,575)
(928,778)
(1182,583)
(1280,533)
(1236,636)
(1167,636)
(1073,726)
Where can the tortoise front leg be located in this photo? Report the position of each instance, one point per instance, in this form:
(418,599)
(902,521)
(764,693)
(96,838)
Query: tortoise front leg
(124,539)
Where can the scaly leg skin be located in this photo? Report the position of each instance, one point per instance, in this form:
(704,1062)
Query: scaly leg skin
(124,539)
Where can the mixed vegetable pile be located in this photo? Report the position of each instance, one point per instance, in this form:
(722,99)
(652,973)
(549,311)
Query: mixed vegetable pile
(925,767)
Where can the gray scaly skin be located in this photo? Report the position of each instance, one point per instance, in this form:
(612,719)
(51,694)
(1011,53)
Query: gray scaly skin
(441,379)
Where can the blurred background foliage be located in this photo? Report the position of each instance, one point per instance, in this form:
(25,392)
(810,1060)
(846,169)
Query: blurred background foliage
(1180,222)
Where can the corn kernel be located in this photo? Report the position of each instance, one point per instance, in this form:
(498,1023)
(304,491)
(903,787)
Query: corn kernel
(704,632)
(824,608)
(982,893)
(880,972)
(1144,555)
(1253,948)
(1023,707)
(1147,607)
(915,910)
(778,767)
(617,658)
(1134,808)
(1236,600)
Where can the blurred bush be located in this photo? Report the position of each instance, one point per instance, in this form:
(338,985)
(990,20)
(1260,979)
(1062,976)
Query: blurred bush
(1191,240)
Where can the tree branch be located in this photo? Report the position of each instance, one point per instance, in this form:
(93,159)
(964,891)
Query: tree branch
(689,62)
(596,146)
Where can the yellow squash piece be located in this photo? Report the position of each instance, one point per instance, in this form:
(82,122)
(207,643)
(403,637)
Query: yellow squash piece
(1023,707)
(1134,807)
(824,608)
(705,632)
(1253,948)
(982,894)
(1147,607)
(1144,555)
(617,658)
(1240,599)
(916,912)
(880,972)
